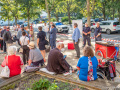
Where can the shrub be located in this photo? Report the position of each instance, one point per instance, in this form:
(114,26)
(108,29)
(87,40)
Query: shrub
(43,84)
(64,19)
(53,19)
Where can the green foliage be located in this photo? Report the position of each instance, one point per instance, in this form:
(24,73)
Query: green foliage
(65,19)
(43,84)
(53,19)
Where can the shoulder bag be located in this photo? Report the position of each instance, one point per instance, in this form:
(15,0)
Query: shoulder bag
(21,48)
(5,71)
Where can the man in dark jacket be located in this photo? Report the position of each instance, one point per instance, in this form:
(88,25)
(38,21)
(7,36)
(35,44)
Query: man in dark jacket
(1,39)
(7,37)
(2,35)
(53,36)
(86,35)
(56,62)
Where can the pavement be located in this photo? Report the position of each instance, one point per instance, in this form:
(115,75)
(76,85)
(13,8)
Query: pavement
(70,53)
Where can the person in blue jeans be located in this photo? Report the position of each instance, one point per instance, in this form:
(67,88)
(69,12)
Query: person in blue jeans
(53,36)
(87,65)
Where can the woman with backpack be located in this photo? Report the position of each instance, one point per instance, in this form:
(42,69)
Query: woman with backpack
(24,41)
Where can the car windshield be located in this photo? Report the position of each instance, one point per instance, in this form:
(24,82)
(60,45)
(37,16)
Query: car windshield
(116,23)
(59,23)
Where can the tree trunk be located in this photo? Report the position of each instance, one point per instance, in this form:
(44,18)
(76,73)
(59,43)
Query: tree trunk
(49,17)
(69,19)
(119,14)
(8,21)
(57,18)
(88,12)
(113,13)
(28,18)
(104,15)
(15,20)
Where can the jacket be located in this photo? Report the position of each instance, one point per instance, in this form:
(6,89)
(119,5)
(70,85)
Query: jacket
(53,33)
(56,62)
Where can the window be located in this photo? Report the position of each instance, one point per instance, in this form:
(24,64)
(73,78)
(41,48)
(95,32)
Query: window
(116,23)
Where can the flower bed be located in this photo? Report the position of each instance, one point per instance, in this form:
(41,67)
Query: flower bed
(38,82)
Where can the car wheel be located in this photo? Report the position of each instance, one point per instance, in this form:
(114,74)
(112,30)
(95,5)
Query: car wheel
(92,30)
(108,31)
(66,31)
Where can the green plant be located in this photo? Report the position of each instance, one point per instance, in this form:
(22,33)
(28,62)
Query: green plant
(53,19)
(64,19)
(43,84)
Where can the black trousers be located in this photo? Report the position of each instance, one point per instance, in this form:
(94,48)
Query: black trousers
(25,53)
(4,46)
(86,38)
(98,38)
(77,49)
(1,42)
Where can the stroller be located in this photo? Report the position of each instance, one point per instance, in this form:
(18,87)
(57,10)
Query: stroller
(106,68)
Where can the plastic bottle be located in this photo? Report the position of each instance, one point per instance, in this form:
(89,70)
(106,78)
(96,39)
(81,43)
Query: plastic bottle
(70,71)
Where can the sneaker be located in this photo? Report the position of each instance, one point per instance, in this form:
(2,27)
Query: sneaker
(44,60)
(66,73)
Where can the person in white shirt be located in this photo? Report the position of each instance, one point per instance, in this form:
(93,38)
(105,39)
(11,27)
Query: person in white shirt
(24,41)
(46,30)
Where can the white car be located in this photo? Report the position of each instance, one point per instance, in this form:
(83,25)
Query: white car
(108,26)
(61,28)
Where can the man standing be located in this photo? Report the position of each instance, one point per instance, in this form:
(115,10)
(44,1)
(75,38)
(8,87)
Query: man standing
(1,40)
(86,35)
(19,34)
(2,35)
(32,31)
(97,33)
(7,37)
(53,36)
(75,37)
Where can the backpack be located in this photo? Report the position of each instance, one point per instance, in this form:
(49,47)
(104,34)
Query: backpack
(5,38)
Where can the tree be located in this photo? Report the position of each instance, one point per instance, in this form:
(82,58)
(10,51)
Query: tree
(50,5)
(68,6)
(5,12)
(13,7)
(30,9)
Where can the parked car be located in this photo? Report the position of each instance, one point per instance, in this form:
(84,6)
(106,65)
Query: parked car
(91,20)
(20,23)
(61,27)
(108,26)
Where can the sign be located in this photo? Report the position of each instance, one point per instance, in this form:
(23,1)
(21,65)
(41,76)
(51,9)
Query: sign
(80,25)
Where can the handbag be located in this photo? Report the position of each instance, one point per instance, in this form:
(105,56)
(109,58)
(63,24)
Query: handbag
(47,48)
(21,48)
(5,71)
(31,69)
(46,42)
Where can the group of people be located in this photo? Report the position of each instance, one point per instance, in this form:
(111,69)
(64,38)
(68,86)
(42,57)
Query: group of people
(34,55)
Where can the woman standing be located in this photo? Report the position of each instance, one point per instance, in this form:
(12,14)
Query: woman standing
(41,37)
(87,65)
(24,41)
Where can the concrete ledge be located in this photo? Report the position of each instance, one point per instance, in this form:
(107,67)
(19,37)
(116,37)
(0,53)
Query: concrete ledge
(93,85)
(14,79)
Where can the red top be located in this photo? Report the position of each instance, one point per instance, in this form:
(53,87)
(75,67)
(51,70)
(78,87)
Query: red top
(14,64)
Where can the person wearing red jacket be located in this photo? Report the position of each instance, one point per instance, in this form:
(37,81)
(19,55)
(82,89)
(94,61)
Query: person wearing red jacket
(13,61)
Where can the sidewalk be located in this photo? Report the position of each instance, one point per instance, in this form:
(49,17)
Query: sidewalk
(70,53)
